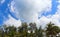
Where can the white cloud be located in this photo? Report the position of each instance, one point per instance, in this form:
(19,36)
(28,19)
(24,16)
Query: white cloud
(56,17)
(58,1)
(43,21)
(11,6)
(29,9)
(53,18)
(58,9)
(2,1)
(12,22)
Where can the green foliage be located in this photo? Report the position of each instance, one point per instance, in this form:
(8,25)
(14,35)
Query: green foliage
(52,29)
(22,31)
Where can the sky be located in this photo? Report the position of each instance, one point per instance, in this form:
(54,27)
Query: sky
(14,12)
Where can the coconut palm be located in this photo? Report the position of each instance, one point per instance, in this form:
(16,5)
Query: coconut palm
(12,31)
(23,30)
(52,30)
(40,32)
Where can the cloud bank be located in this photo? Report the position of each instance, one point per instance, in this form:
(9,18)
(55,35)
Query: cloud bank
(51,18)
(29,11)
(12,22)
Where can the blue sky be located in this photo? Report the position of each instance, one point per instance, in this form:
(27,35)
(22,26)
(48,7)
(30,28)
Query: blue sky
(53,10)
(5,10)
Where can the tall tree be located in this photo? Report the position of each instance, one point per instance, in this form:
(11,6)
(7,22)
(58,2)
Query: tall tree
(40,32)
(52,30)
(23,30)
(12,31)
(33,29)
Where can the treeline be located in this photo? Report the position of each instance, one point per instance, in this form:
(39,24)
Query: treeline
(30,30)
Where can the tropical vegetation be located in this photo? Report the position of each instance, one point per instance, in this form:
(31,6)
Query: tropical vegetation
(30,30)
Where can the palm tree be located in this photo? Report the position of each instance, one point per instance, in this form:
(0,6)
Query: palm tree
(48,30)
(52,30)
(55,30)
(32,26)
(32,29)
(12,31)
(0,31)
(23,30)
(6,30)
(40,32)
